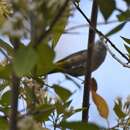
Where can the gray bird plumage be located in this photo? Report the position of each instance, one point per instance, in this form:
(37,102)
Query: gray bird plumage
(75,64)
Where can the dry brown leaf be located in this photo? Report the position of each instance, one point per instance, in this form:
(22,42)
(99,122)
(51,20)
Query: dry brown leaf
(93,85)
(100,104)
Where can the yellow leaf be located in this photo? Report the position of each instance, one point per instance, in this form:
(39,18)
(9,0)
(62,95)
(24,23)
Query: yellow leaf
(93,85)
(44,129)
(5,11)
(100,104)
(128,121)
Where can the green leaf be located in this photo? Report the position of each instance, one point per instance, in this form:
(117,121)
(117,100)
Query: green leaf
(70,112)
(67,103)
(127,48)
(127,1)
(3,124)
(3,85)
(118,111)
(126,40)
(116,29)
(124,16)
(59,107)
(101,105)
(6,47)
(79,110)
(24,61)
(79,125)
(42,112)
(5,99)
(60,26)
(5,72)
(63,93)
(5,11)
(45,59)
(107,7)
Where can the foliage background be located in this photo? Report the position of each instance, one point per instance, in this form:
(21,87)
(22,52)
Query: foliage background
(110,81)
(113,79)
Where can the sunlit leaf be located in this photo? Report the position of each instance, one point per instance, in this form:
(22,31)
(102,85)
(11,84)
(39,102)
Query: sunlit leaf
(24,61)
(107,7)
(3,124)
(42,112)
(127,48)
(45,59)
(115,29)
(5,72)
(79,125)
(118,111)
(124,16)
(63,93)
(5,99)
(126,40)
(100,104)
(6,47)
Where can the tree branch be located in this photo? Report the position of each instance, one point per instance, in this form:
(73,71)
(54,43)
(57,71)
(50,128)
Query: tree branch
(87,25)
(54,21)
(4,54)
(100,33)
(15,92)
(14,102)
(115,57)
(86,95)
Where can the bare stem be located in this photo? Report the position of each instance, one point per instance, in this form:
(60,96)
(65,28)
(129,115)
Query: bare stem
(14,102)
(100,33)
(15,92)
(87,25)
(86,95)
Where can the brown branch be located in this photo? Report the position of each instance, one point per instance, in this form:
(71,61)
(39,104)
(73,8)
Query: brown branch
(116,58)
(99,23)
(100,33)
(4,54)
(87,25)
(86,95)
(15,92)
(14,102)
(54,21)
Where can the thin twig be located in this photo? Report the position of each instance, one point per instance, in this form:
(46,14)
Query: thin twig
(72,80)
(35,113)
(87,25)
(15,92)
(54,21)
(14,102)
(119,10)
(6,56)
(86,92)
(115,57)
(114,127)
(100,33)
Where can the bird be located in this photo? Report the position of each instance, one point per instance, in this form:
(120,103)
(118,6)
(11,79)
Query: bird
(75,64)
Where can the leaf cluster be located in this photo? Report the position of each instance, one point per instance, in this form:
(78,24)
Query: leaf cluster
(29,53)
